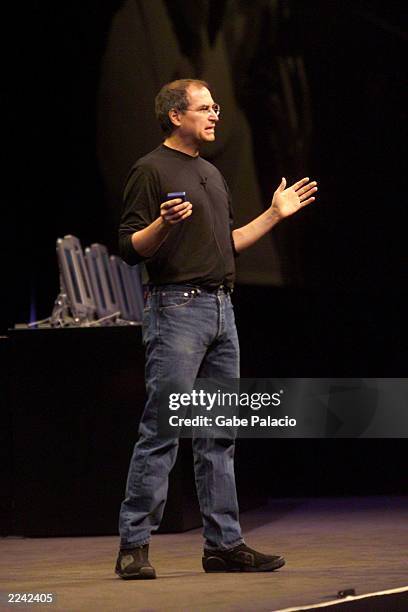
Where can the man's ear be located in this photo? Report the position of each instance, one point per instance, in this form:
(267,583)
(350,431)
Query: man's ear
(174,116)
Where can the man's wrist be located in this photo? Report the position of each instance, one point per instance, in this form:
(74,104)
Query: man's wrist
(164,226)
(273,214)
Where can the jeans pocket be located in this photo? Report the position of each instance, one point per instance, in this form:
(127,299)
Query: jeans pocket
(175,299)
(146,328)
(148,303)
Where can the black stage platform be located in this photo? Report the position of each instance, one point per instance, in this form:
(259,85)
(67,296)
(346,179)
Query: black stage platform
(75,400)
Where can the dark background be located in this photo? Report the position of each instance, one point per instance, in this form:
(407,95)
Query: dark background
(342,311)
(352,242)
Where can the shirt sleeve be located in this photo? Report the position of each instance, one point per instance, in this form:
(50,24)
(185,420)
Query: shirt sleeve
(141,206)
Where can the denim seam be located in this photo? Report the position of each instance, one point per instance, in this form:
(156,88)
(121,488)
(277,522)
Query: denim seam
(135,544)
(159,340)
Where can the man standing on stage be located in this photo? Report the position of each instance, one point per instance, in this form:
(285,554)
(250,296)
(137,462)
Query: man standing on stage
(189,329)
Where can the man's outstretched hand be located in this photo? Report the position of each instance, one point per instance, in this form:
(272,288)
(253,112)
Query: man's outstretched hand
(288,200)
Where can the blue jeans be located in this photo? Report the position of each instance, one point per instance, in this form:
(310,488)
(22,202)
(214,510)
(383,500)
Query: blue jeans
(188,333)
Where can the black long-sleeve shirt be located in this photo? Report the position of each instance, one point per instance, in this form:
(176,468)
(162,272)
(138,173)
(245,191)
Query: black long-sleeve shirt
(198,250)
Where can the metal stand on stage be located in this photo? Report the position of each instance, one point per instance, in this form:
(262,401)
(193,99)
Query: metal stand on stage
(95,289)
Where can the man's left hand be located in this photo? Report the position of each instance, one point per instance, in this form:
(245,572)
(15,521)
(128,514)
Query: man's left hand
(288,200)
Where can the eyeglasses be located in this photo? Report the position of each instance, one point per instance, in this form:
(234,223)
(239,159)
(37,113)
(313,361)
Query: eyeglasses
(215,108)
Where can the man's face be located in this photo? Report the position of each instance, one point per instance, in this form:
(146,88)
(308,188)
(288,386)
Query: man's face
(197,124)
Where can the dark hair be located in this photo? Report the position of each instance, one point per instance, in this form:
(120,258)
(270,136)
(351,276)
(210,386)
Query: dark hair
(173,95)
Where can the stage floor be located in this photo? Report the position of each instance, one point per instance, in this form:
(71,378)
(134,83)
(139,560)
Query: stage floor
(329,545)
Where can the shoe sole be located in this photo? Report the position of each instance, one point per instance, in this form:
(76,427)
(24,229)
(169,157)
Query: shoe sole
(145,573)
(216,564)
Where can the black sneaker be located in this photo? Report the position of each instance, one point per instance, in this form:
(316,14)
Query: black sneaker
(240,559)
(133,563)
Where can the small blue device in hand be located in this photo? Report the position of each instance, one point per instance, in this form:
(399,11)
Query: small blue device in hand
(177,194)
